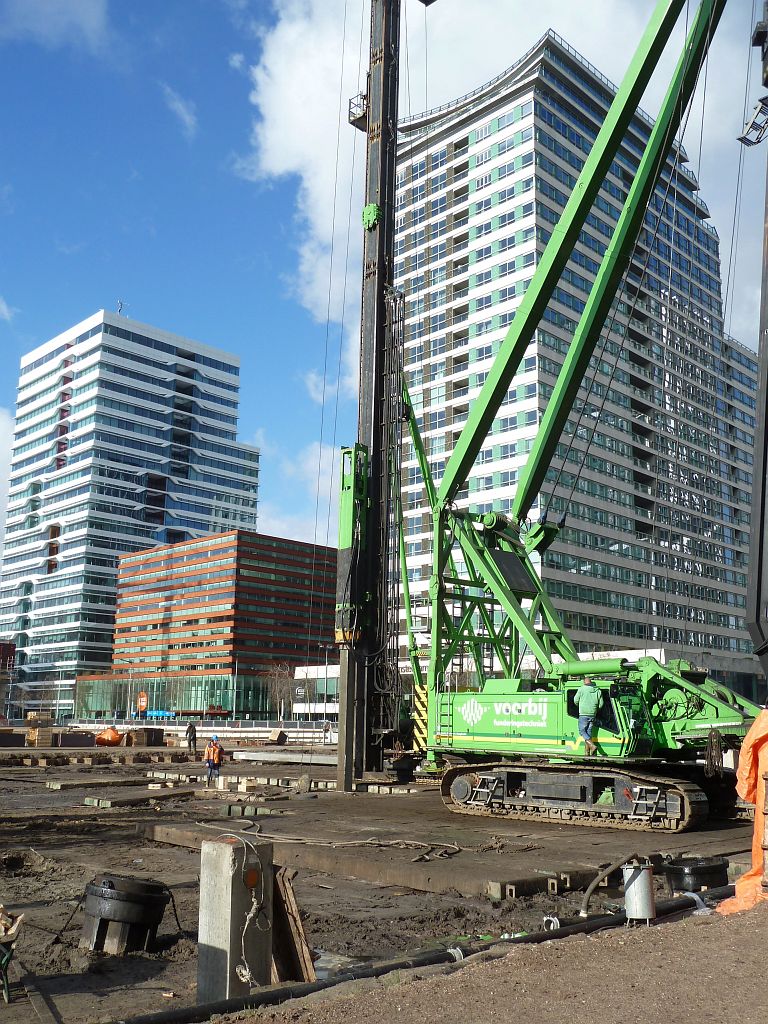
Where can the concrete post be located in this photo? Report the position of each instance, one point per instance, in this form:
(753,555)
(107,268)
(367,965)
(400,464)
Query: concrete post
(235,882)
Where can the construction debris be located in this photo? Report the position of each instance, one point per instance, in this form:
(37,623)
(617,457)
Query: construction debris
(10,925)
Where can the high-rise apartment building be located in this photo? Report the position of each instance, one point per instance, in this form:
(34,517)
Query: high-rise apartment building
(655,467)
(125,437)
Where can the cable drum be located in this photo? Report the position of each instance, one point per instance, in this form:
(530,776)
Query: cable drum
(692,874)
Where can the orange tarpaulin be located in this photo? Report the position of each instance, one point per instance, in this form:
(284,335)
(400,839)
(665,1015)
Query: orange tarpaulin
(750,785)
(110,737)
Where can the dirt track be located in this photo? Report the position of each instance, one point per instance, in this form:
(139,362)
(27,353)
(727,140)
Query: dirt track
(704,970)
(51,845)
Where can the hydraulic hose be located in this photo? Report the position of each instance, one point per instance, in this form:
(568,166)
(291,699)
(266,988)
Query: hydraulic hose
(280,993)
(598,879)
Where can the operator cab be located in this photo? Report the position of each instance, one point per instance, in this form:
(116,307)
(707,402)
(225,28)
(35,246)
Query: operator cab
(606,716)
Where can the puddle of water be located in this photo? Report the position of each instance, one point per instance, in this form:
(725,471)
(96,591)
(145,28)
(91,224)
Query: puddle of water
(328,964)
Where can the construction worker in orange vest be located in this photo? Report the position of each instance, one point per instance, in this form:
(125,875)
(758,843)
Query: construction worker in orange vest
(213,757)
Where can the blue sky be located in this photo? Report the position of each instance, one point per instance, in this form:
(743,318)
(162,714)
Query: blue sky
(118,179)
(181,155)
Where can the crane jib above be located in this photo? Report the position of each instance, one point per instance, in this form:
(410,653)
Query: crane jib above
(563,239)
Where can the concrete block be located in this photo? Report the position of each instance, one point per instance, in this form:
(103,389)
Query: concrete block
(496,891)
(235,916)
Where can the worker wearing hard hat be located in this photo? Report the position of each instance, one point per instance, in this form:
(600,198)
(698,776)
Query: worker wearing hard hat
(589,700)
(213,756)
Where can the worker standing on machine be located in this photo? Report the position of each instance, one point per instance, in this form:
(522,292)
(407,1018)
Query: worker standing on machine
(213,757)
(589,700)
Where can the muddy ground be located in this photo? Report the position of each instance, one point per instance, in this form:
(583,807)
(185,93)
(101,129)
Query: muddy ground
(51,846)
(344,919)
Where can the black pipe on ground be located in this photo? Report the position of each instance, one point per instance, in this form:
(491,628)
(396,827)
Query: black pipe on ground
(281,993)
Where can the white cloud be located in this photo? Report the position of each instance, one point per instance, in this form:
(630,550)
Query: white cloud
(236,61)
(69,248)
(296,92)
(300,110)
(310,477)
(275,521)
(55,23)
(6,311)
(313,381)
(6,441)
(246,18)
(261,440)
(183,109)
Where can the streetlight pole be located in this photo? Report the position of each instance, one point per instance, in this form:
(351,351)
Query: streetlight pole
(325,688)
(129,662)
(326,648)
(234,692)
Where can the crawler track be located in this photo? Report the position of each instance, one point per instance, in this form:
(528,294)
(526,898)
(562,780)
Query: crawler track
(690,807)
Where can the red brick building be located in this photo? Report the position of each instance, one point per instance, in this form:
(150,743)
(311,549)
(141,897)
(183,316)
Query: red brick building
(203,624)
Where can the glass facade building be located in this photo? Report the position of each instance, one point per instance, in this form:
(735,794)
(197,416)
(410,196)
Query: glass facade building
(125,437)
(654,470)
(203,625)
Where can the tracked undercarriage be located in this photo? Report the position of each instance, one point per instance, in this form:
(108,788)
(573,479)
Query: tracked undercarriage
(602,794)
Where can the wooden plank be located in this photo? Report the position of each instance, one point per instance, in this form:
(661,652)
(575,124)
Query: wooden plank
(37,1003)
(87,783)
(142,798)
(291,954)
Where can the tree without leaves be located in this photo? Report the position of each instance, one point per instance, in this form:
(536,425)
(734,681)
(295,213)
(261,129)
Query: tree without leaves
(280,685)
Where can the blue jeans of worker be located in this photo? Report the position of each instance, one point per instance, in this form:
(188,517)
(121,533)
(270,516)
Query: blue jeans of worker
(586,725)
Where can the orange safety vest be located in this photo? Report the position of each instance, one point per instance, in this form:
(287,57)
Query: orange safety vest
(213,753)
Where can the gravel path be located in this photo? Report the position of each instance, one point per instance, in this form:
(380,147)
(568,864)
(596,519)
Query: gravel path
(702,970)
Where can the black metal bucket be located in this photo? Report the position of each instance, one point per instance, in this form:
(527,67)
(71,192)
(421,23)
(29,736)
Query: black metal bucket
(122,913)
(692,874)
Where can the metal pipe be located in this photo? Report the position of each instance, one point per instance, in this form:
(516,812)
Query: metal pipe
(606,666)
(598,879)
(280,993)
(639,895)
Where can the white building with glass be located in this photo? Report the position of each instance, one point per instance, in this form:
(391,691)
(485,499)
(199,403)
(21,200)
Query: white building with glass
(654,471)
(125,437)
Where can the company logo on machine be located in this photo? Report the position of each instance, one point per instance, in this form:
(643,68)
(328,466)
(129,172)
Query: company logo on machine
(472,711)
(529,714)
